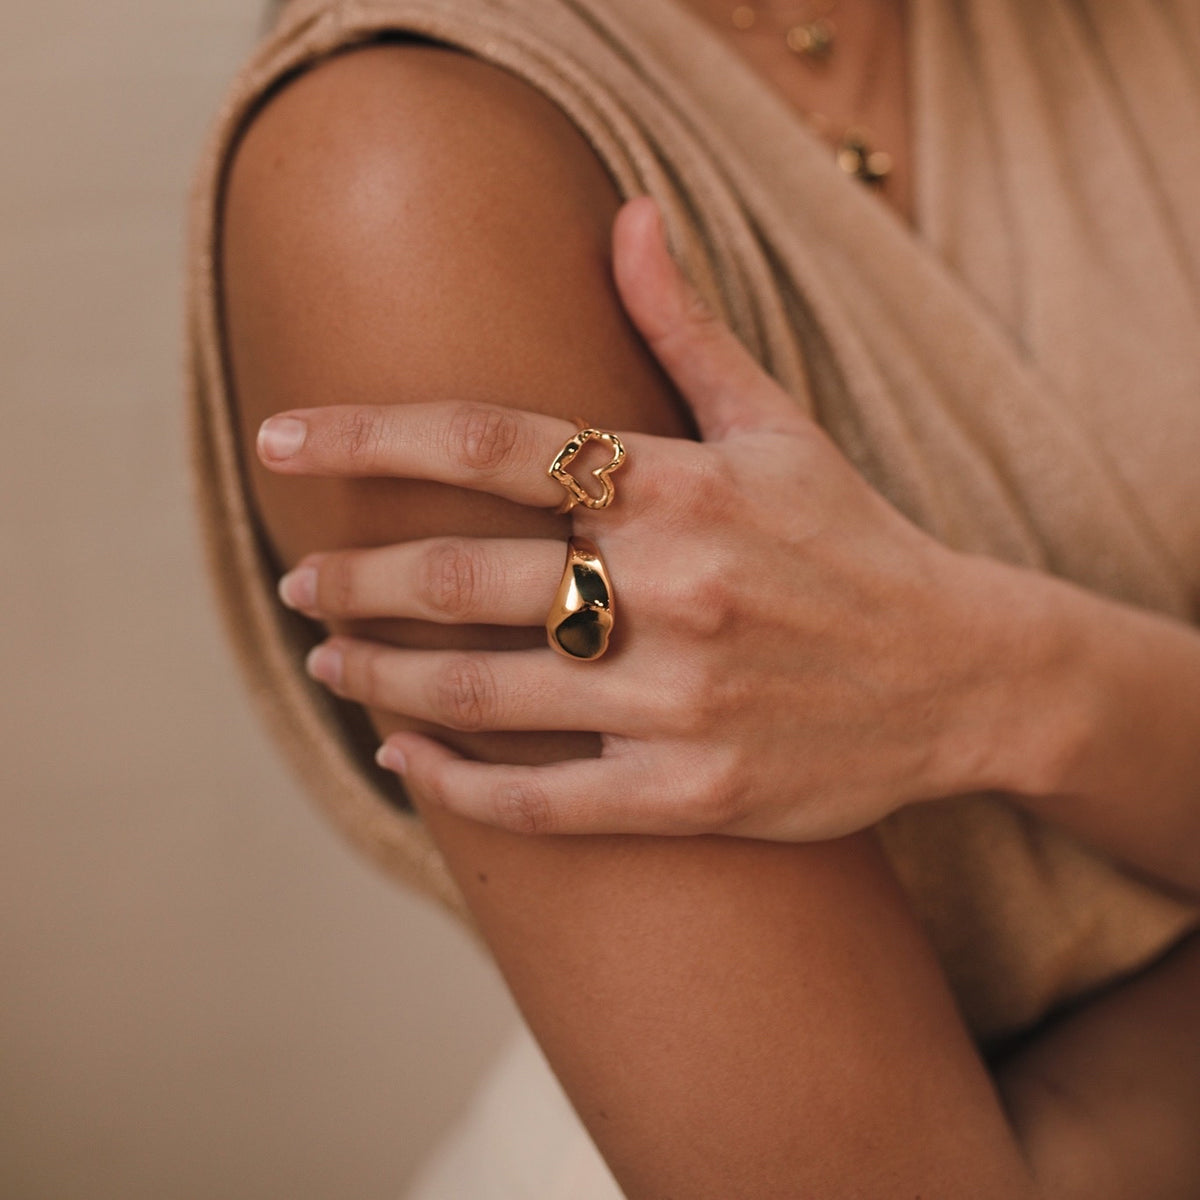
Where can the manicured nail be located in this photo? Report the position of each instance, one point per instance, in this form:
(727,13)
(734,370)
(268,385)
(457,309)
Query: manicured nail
(325,663)
(391,759)
(280,437)
(298,588)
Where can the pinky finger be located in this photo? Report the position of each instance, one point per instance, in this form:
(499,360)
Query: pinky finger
(618,794)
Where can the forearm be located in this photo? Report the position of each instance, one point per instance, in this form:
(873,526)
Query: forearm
(721,1038)
(1107,1104)
(1093,721)
(736,1018)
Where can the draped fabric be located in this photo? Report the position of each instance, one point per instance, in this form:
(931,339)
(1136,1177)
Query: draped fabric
(1019,371)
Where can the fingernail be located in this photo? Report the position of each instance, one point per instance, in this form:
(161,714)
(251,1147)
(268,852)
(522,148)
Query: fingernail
(281,437)
(298,588)
(325,663)
(391,759)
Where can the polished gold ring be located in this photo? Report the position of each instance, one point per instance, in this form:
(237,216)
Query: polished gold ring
(576,493)
(581,617)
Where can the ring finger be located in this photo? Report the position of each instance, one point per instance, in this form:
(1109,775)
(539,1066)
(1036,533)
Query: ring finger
(452,581)
(470,692)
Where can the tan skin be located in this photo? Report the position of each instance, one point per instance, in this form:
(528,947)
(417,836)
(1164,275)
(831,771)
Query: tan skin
(730,1017)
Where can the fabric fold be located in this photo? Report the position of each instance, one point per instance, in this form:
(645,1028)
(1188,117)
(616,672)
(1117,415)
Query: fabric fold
(1018,373)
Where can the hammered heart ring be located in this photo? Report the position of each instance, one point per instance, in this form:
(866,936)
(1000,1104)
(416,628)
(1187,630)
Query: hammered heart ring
(576,493)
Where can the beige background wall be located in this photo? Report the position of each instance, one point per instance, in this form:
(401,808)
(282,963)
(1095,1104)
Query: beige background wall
(204,994)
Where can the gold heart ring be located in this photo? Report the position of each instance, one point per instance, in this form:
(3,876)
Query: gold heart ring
(581,617)
(576,494)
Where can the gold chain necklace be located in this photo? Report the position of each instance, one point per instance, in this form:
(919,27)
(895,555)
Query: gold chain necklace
(810,35)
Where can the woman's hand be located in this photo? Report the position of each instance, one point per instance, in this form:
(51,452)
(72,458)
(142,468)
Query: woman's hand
(791,659)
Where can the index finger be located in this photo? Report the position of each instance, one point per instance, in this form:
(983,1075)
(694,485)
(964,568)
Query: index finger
(483,447)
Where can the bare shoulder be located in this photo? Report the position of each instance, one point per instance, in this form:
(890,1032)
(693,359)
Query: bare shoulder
(425,133)
(405,222)
(419,96)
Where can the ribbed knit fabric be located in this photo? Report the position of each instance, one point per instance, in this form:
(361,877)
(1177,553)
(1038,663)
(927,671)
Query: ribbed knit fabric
(1019,372)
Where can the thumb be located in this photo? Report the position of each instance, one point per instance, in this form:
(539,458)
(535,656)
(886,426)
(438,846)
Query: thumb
(724,386)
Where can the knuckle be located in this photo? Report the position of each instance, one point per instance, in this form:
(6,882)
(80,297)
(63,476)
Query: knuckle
(361,434)
(464,695)
(712,605)
(336,585)
(710,484)
(483,436)
(523,807)
(712,703)
(451,578)
(699,487)
(435,787)
(690,709)
(370,677)
(695,720)
(713,801)
(716,805)
(699,314)
(700,598)
(362,674)
(690,722)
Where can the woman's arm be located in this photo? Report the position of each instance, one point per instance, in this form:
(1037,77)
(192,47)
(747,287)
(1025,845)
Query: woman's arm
(730,1017)
(828,662)
(1120,692)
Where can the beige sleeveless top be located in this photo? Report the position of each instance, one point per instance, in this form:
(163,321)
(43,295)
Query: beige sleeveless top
(1020,375)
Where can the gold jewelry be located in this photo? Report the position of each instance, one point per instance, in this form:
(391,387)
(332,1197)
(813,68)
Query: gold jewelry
(581,617)
(812,38)
(855,157)
(576,494)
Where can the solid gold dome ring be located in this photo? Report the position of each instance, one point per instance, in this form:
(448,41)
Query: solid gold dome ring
(581,616)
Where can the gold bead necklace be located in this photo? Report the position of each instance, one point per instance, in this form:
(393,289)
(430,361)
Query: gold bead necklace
(810,34)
